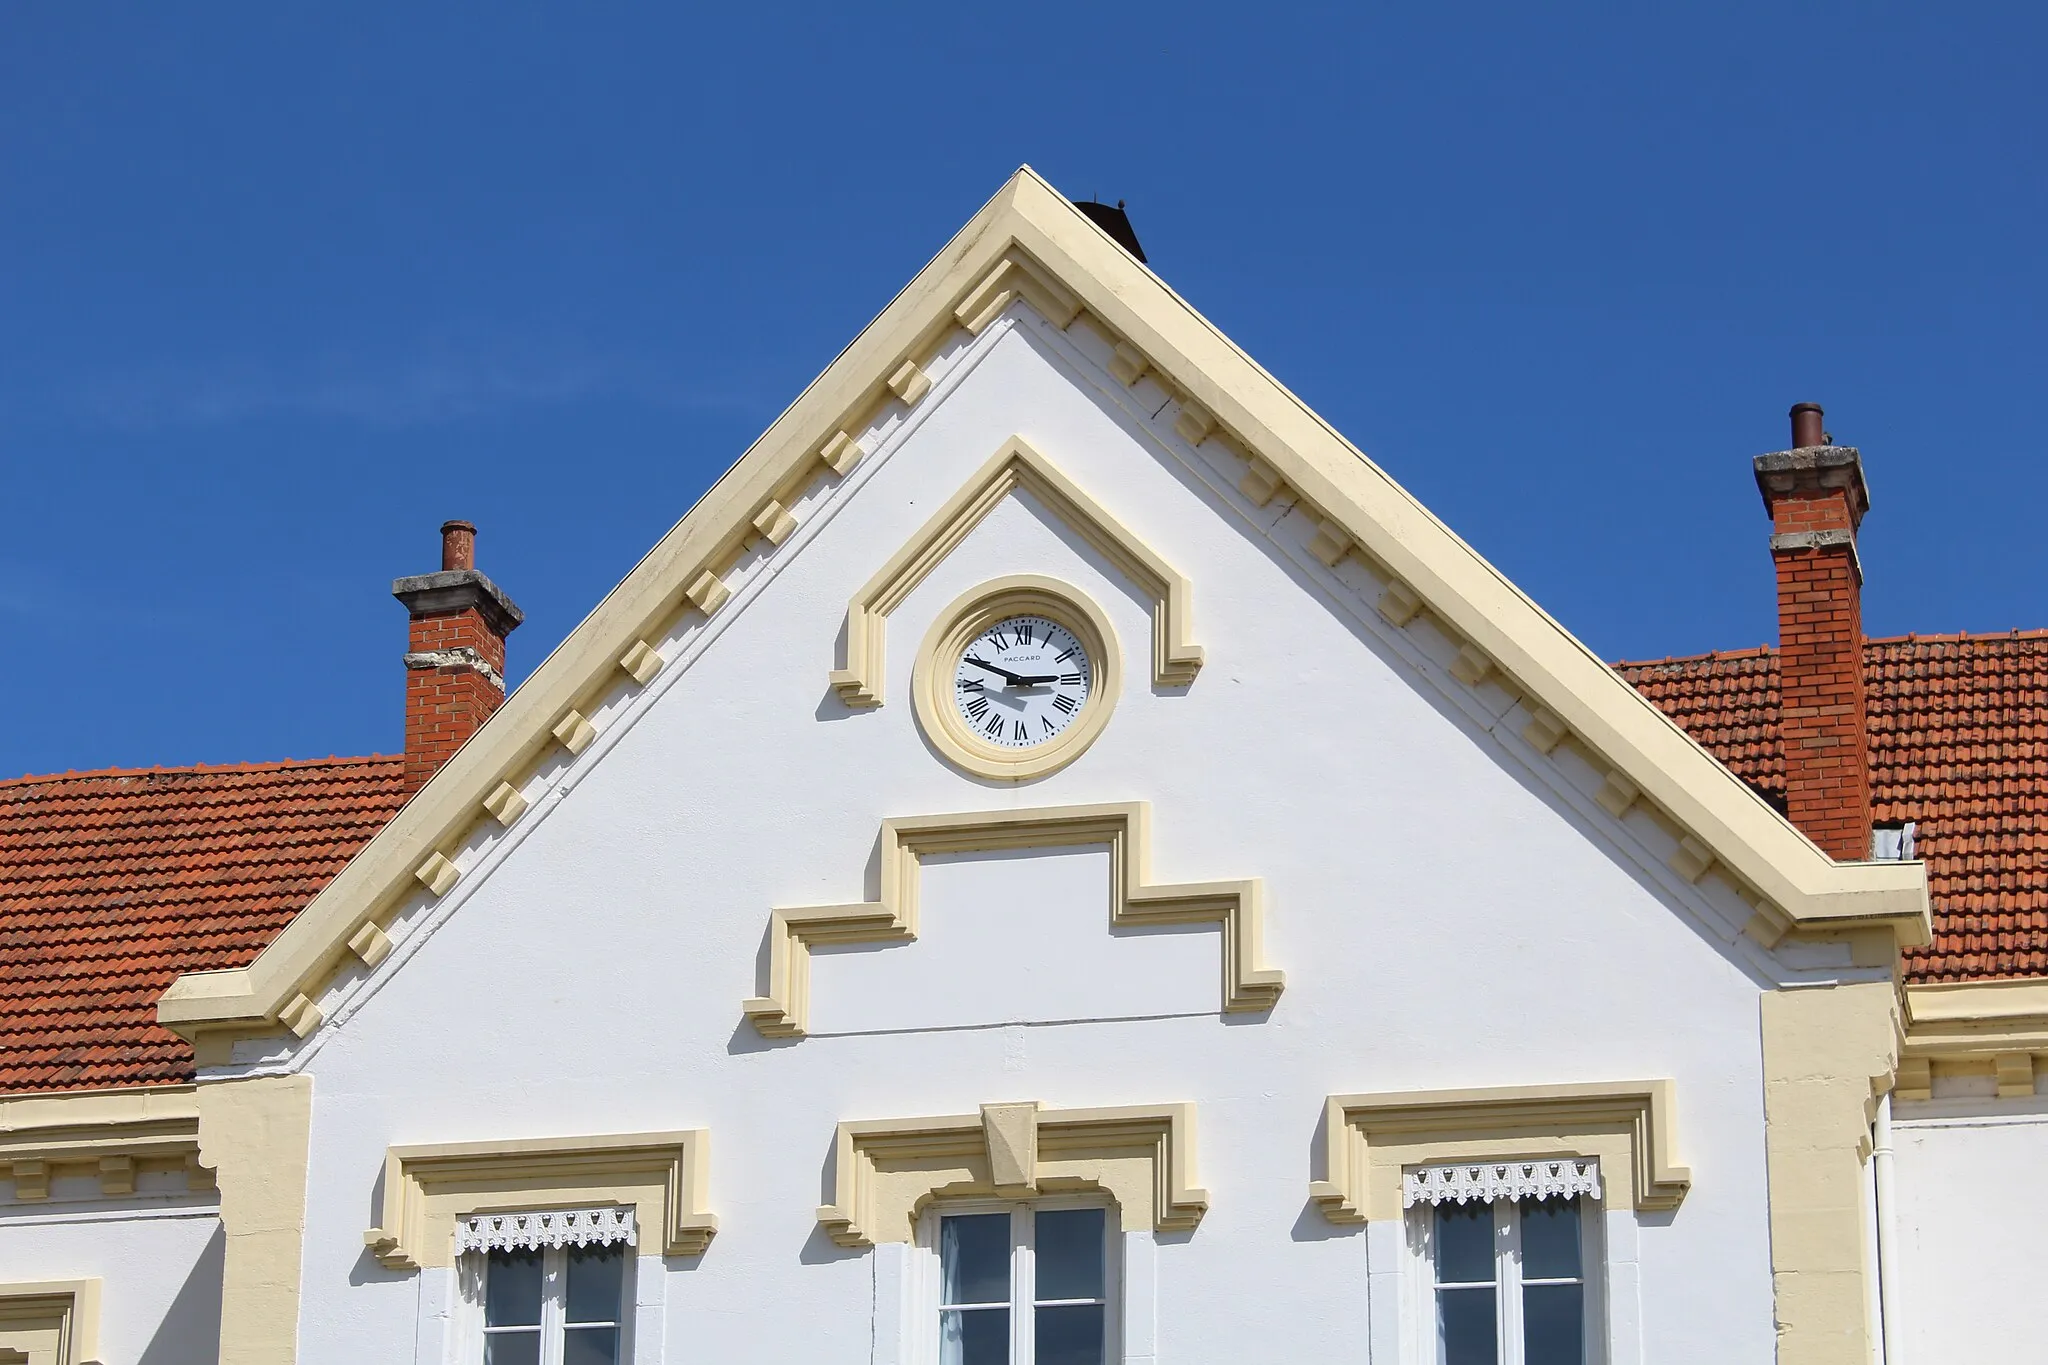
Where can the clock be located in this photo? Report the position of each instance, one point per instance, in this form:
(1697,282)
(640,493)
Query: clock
(1016,678)
(1022,681)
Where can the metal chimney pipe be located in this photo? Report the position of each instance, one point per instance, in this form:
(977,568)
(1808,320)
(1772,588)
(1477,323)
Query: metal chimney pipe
(1806,426)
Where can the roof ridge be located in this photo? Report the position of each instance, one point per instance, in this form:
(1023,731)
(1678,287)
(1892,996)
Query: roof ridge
(1711,656)
(1915,637)
(279,765)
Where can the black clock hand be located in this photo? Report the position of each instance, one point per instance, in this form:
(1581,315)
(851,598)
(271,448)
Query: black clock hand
(1033,679)
(1007,674)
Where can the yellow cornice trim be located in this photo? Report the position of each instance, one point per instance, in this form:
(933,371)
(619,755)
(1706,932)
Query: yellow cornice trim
(427,1187)
(1367,1139)
(104,1133)
(1175,658)
(784,1011)
(1030,241)
(886,1171)
(1973,1020)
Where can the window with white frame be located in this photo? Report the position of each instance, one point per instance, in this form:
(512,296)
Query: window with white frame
(1511,1252)
(552,1284)
(1030,1284)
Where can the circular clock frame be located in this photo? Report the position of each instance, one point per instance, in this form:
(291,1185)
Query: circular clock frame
(931,679)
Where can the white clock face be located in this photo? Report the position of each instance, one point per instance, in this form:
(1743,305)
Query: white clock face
(1022,681)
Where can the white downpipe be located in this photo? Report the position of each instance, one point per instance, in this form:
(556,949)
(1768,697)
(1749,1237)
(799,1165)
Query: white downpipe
(1887,1232)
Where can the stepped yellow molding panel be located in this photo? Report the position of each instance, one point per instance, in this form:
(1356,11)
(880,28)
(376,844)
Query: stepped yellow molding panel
(1030,244)
(1627,1125)
(784,1012)
(54,1320)
(109,1134)
(886,1171)
(426,1188)
(1175,658)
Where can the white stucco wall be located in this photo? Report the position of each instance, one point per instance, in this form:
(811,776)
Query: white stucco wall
(158,1263)
(1444,920)
(1972,1204)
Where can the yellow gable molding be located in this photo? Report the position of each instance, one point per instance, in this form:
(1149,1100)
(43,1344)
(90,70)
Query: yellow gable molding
(1175,658)
(110,1134)
(1029,221)
(1369,1139)
(426,1188)
(54,1320)
(784,1012)
(885,1172)
(1016,277)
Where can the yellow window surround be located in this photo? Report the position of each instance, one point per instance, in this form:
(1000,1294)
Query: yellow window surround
(887,1171)
(426,1188)
(1369,1140)
(50,1322)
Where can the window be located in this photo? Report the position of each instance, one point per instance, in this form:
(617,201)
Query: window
(1512,1262)
(1893,841)
(1026,1285)
(554,1305)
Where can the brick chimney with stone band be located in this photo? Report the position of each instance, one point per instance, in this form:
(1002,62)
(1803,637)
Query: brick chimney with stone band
(455,661)
(1817,497)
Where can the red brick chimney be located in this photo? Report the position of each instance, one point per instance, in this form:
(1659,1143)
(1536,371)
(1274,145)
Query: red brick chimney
(455,662)
(1817,498)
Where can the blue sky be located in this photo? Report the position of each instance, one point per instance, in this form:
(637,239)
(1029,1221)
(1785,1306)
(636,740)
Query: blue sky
(282,287)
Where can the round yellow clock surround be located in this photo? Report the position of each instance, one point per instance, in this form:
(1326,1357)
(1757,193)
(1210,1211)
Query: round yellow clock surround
(935,689)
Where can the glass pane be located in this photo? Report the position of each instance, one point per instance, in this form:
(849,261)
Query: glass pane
(979,1336)
(974,1258)
(1464,1327)
(596,1276)
(512,1348)
(512,1290)
(1069,1245)
(1554,1324)
(1071,1335)
(1550,1239)
(1464,1244)
(590,1346)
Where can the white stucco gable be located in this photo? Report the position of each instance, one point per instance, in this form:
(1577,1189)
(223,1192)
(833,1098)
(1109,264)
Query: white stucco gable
(1030,260)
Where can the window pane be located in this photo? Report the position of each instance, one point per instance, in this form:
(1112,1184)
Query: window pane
(1070,1335)
(596,1276)
(512,1348)
(1554,1324)
(512,1290)
(1069,1246)
(1464,1327)
(1464,1244)
(974,1258)
(979,1336)
(590,1346)
(1550,1239)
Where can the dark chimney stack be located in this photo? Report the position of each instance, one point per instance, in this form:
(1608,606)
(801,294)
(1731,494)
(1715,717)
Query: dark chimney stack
(1817,497)
(455,660)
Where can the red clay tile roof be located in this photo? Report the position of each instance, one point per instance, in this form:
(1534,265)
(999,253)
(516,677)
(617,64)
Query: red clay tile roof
(1958,743)
(114,882)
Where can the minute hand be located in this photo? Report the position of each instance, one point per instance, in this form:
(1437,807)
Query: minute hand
(1008,676)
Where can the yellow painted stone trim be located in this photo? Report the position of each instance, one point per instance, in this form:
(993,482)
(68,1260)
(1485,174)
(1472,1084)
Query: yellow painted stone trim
(1175,658)
(1828,1052)
(1972,1021)
(885,1172)
(1628,1125)
(426,1188)
(642,661)
(55,1320)
(931,677)
(110,1134)
(255,1135)
(784,1012)
(505,804)
(1028,220)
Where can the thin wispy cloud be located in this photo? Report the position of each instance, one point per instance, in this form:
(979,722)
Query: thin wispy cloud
(443,383)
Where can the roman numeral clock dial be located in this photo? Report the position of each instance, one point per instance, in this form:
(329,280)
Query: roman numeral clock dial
(1022,681)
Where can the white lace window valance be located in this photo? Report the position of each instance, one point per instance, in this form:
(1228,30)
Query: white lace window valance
(550,1228)
(1487,1181)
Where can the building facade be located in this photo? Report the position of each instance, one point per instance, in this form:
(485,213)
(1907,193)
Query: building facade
(1057,857)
